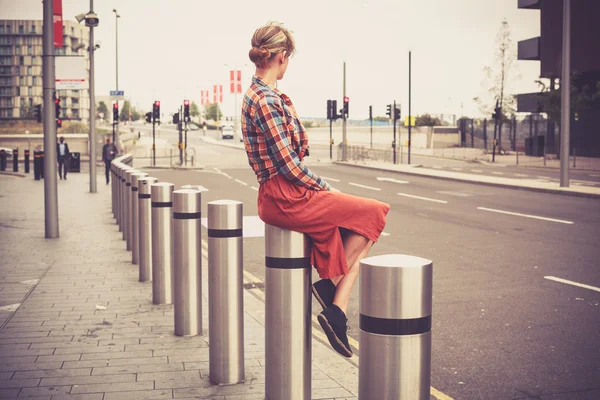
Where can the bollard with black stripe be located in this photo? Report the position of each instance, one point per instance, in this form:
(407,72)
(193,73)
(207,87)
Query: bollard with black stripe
(122,198)
(113,190)
(26,160)
(162,242)
(135,237)
(395,328)
(145,227)
(288,345)
(187,262)
(225,292)
(127,227)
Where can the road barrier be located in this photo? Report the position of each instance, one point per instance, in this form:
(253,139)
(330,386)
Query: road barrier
(287,315)
(395,328)
(128,216)
(135,237)
(225,292)
(145,227)
(162,242)
(187,262)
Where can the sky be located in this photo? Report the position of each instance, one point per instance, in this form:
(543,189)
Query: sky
(171,50)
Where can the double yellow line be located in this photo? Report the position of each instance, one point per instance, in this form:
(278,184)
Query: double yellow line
(316,333)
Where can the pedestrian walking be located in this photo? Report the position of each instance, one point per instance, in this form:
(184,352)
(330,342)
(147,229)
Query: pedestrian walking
(342,227)
(63,155)
(109,152)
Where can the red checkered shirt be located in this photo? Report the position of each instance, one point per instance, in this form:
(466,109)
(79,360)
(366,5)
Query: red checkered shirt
(274,137)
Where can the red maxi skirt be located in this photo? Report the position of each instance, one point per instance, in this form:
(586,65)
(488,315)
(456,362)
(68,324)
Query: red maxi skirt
(320,215)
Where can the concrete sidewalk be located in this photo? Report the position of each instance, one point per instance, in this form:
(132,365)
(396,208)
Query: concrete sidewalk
(75,323)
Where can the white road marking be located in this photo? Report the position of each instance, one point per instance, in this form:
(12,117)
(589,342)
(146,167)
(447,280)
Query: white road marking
(10,307)
(223,173)
(254,188)
(241,182)
(422,198)
(543,177)
(457,169)
(30,282)
(330,179)
(561,221)
(594,175)
(436,167)
(497,173)
(476,170)
(390,180)
(521,175)
(581,285)
(451,193)
(385,234)
(364,186)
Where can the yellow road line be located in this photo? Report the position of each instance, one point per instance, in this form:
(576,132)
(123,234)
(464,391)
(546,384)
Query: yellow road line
(320,335)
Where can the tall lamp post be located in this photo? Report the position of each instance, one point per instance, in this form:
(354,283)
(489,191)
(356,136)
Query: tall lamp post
(91,21)
(117,16)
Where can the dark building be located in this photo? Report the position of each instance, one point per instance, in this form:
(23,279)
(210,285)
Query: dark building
(585,66)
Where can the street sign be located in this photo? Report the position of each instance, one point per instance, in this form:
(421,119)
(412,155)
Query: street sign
(117,93)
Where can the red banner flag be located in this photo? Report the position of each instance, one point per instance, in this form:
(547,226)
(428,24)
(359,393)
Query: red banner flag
(239,81)
(214,93)
(58,25)
(220,93)
(232,81)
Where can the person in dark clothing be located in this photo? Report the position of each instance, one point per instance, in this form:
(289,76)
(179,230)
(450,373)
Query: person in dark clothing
(62,154)
(109,152)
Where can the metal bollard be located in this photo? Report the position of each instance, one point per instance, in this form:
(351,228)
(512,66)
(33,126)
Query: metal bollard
(127,227)
(26,161)
(162,242)
(395,327)
(288,305)
(16,160)
(122,171)
(225,292)
(3,160)
(37,173)
(112,188)
(187,262)
(135,216)
(119,195)
(145,228)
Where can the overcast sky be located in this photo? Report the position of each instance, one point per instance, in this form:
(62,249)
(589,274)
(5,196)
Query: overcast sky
(171,50)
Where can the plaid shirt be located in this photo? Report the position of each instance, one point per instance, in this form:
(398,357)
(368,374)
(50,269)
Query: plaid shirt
(274,137)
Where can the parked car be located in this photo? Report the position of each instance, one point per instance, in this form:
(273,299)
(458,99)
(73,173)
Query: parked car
(227,132)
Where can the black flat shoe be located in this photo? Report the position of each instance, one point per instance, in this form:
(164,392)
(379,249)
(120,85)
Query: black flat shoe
(333,321)
(324,292)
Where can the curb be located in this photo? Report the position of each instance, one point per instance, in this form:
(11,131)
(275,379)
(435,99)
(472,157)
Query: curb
(198,168)
(457,179)
(15,174)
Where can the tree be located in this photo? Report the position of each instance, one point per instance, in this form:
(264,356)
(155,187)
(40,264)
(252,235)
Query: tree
(136,115)
(583,98)
(125,111)
(497,79)
(211,111)
(427,120)
(103,109)
(194,109)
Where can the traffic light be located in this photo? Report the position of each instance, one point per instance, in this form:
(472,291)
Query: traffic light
(371,113)
(186,110)
(176,118)
(149,117)
(57,107)
(58,123)
(329,110)
(389,111)
(334,113)
(497,113)
(38,113)
(397,114)
(116,113)
(156,109)
(346,106)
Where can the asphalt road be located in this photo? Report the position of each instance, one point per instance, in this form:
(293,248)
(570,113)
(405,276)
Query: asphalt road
(501,328)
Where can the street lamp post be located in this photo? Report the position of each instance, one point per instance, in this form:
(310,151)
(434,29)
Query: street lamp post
(117,16)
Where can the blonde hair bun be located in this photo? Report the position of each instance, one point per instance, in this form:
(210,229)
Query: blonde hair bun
(269,40)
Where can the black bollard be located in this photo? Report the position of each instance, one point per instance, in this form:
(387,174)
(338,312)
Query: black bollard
(2,160)
(26,161)
(37,173)
(42,164)
(16,160)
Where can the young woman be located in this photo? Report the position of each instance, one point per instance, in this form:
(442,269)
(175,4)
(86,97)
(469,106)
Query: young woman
(342,227)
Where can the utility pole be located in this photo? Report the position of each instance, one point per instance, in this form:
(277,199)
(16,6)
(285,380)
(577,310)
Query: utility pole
(179,127)
(49,82)
(394,122)
(565,85)
(344,139)
(92,109)
(371,118)
(117,16)
(409,103)
(496,117)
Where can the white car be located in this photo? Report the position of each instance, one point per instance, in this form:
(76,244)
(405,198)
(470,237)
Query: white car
(227,132)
